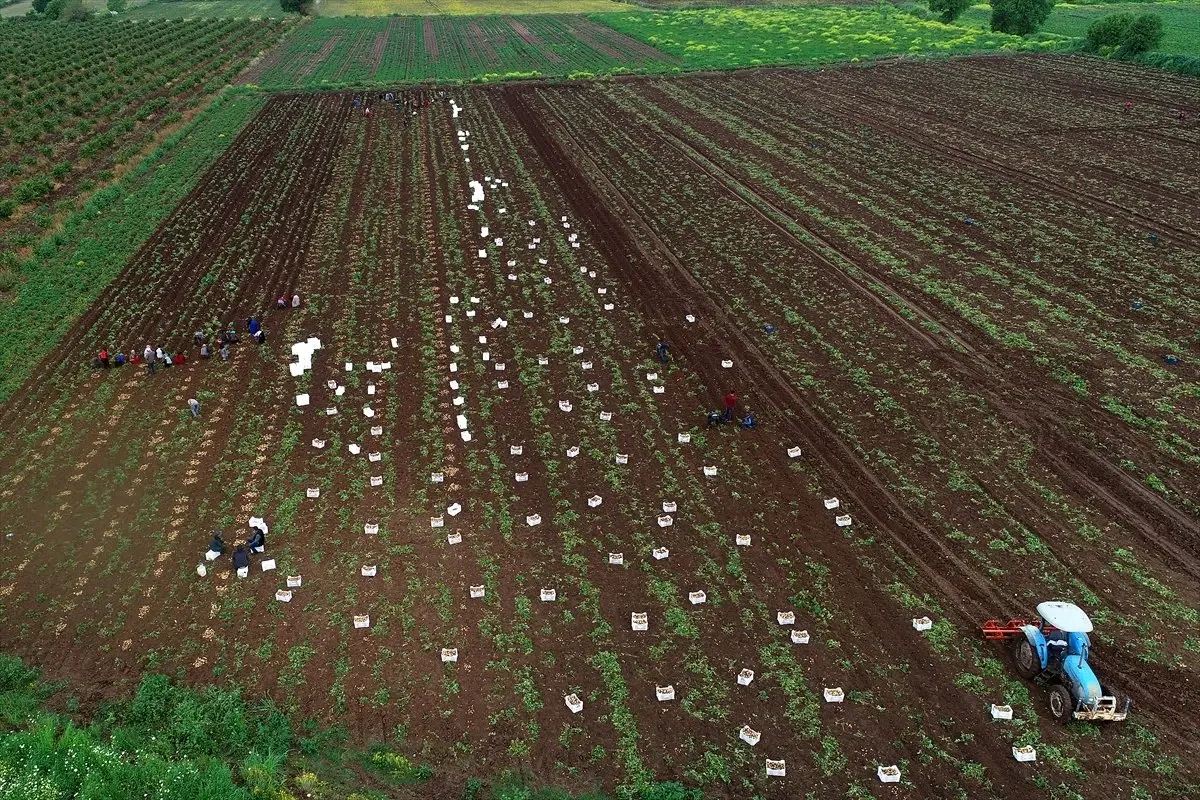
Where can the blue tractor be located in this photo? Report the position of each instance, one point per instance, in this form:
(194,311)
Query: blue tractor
(1055,649)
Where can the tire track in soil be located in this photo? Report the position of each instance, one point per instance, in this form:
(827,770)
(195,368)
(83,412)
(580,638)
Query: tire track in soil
(769,470)
(1125,498)
(1009,174)
(1019,68)
(640,269)
(930,553)
(1146,512)
(1165,195)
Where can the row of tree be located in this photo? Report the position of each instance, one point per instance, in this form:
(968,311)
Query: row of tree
(1018,17)
(71,10)
(1124,33)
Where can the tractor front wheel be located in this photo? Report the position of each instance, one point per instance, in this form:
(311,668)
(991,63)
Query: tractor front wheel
(1027,662)
(1062,705)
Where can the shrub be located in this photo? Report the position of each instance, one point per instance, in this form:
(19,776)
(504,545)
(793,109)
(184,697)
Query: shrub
(399,767)
(1019,17)
(1184,65)
(949,10)
(96,144)
(1143,35)
(671,790)
(1108,31)
(7,207)
(117,5)
(32,189)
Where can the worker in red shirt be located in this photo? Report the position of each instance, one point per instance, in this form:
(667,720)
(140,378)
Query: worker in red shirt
(730,404)
(104,357)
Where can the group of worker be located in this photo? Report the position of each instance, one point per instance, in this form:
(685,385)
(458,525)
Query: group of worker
(748,422)
(242,550)
(413,101)
(154,357)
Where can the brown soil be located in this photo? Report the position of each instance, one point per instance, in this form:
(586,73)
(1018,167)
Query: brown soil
(431,44)
(689,196)
(530,38)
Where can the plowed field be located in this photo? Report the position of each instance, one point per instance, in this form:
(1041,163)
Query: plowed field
(951,285)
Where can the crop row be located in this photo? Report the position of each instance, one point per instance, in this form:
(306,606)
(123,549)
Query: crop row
(332,52)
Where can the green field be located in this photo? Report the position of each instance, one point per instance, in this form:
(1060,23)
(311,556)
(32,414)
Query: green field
(1181,21)
(373,51)
(369,51)
(194,9)
(383,8)
(730,38)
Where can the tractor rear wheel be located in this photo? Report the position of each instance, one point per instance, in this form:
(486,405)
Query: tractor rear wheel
(1062,705)
(1027,662)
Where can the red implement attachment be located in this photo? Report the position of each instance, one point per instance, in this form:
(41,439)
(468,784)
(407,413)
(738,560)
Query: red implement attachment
(999,629)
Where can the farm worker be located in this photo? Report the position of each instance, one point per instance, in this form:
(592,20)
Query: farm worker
(714,419)
(295,301)
(166,359)
(281,302)
(194,407)
(259,336)
(149,356)
(217,545)
(225,353)
(119,360)
(253,325)
(749,423)
(179,359)
(258,541)
(1128,106)
(232,335)
(663,350)
(367,112)
(205,351)
(158,352)
(730,404)
(241,560)
(104,357)
(198,338)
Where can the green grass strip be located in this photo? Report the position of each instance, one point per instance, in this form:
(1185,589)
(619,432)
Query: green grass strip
(70,268)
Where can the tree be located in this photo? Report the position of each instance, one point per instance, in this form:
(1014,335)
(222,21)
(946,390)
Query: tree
(949,9)
(1143,35)
(1019,17)
(294,6)
(1108,31)
(117,5)
(40,6)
